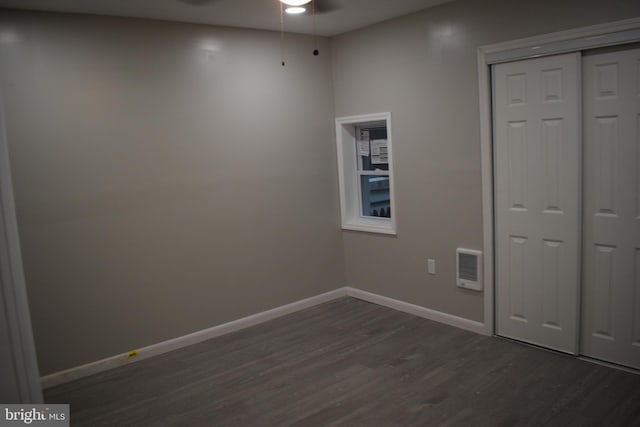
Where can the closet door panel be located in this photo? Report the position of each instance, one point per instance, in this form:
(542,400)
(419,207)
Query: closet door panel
(611,207)
(537,185)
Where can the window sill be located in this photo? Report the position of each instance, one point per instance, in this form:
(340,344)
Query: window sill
(371,225)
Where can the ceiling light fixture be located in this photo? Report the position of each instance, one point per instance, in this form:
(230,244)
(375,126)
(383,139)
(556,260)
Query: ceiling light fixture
(295,10)
(295,2)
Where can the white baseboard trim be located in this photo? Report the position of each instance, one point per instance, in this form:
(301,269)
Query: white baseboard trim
(122,359)
(416,310)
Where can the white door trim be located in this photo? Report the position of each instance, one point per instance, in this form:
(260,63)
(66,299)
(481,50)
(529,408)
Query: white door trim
(20,364)
(601,35)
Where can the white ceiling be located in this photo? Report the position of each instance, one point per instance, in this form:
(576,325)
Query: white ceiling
(259,14)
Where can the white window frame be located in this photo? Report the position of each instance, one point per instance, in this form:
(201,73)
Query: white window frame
(349,175)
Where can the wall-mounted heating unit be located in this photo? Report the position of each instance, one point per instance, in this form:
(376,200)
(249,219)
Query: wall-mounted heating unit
(469,269)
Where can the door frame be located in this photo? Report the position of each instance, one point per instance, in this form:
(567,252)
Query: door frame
(20,365)
(601,35)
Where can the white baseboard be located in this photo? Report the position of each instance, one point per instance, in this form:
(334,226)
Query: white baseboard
(186,340)
(122,359)
(416,310)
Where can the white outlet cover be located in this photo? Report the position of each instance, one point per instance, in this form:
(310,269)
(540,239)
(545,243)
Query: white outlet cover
(431,266)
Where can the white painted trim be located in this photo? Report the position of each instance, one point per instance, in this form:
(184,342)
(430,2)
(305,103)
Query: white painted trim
(236,325)
(22,382)
(511,50)
(369,227)
(594,36)
(416,310)
(186,340)
(486,154)
(348,180)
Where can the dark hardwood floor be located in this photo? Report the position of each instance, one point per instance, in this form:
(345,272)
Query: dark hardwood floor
(351,363)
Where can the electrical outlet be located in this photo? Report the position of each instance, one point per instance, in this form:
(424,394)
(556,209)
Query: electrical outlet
(431,266)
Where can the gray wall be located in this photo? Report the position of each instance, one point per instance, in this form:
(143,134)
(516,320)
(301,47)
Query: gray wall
(168,177)
(172,177)
(422,68)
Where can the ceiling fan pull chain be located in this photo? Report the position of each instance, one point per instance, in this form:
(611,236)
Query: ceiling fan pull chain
(281,33)
(316,52)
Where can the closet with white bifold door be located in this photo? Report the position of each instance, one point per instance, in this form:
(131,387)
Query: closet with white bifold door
(567,202)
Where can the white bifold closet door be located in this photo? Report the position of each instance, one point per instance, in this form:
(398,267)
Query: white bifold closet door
(611,215)
(537,196)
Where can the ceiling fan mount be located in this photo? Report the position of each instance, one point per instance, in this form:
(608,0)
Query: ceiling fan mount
(314,6)
(310,6)
(197,2)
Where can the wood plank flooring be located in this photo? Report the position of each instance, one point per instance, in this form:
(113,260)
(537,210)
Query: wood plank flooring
(352,363)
